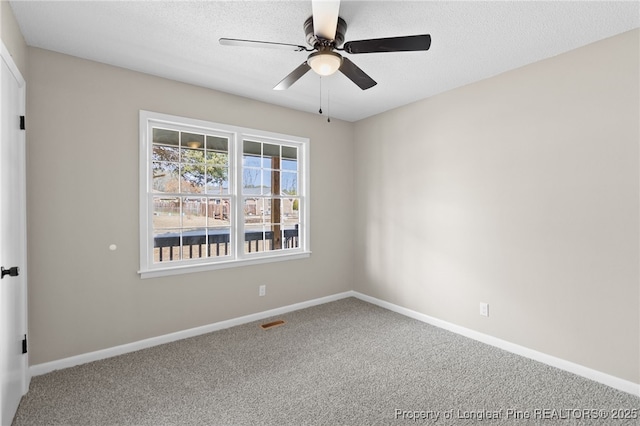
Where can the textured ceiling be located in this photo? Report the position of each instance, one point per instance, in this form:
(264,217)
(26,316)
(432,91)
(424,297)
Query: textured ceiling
(471,41)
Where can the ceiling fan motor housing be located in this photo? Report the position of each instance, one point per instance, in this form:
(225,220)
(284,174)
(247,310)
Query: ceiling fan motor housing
(317,42)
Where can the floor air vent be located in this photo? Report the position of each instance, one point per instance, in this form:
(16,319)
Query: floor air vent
(272,324)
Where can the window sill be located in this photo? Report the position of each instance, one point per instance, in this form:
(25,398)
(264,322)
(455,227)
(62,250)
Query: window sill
(187,269)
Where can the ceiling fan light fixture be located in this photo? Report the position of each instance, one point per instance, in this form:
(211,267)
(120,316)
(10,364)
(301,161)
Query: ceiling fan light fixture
(325,63)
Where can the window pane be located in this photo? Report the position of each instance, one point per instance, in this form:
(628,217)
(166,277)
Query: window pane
(290,211)
(255,210)
(166,246)
(254,237)
(192,140)
(219,212)
(267,181)
(217,151)
(251,181)
(270,150)
(250,209)
(193,178)
(252,152)
(194,212)
(250,161)
(217,158)
(166,137)
(217,180)
(217,144)
(194,243)
(165,153)
(270,156)
(166,213)
(289,165)
(261,238)
(192,156)
(289,183)
(289,158)
(219,242)
(290,237)
(272,209)
(165,177)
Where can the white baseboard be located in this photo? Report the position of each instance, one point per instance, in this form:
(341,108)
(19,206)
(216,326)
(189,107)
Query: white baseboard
(47,367)
(580,370)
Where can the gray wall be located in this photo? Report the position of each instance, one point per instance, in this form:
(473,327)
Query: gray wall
(520,191)
(82,159)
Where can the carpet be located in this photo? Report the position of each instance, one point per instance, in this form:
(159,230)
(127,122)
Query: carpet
(346,362)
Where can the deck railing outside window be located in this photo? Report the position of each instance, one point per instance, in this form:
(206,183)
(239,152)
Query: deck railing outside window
(196,244)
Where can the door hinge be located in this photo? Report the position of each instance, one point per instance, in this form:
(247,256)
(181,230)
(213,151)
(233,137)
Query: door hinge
(22,122)
(24,344)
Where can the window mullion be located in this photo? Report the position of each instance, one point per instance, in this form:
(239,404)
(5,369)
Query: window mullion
(149,227)
(148,171)
(238,201)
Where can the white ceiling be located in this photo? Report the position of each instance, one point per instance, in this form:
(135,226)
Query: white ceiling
(471,41)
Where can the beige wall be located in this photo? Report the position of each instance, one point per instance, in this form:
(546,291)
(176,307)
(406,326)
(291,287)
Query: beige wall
(83,196)
(12,37)
(521,191)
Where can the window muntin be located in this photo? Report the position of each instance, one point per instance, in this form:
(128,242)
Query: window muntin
(192,211)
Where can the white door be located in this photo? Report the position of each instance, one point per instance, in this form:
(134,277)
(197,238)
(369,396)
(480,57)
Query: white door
(13,308)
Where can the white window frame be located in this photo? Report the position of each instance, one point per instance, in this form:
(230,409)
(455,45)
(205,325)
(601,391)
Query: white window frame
(236,135)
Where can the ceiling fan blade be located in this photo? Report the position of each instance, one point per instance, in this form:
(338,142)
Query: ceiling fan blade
(255,43)
(294,76)
(355,74)
(325,18)
(390,44)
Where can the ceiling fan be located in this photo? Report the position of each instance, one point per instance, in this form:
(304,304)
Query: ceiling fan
(325,32)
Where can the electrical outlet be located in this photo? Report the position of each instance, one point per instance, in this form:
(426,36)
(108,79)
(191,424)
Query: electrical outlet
(262,290)
(484,309)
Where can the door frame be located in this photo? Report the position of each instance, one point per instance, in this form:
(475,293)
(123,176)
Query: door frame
(8,59)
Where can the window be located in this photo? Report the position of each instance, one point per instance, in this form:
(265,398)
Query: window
(214,196)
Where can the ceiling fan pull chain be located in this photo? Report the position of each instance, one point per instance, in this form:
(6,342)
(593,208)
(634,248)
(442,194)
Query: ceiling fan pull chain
(320,110)
(329,105)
